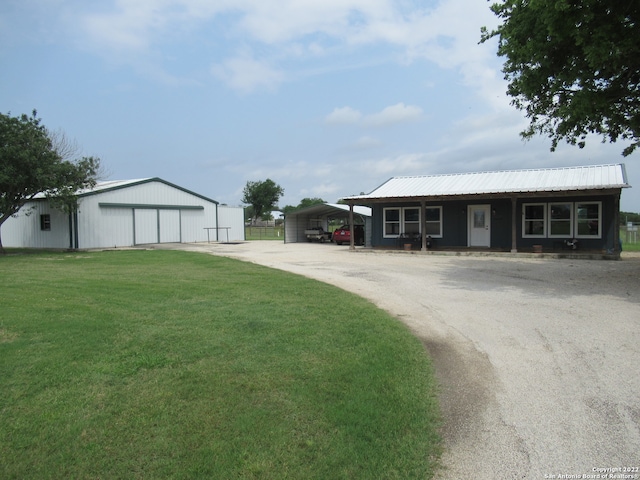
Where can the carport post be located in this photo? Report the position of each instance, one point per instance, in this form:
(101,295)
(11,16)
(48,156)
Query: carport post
(352,245)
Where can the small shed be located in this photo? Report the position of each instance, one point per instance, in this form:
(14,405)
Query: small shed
(321,215)
(122,214)
(546,209)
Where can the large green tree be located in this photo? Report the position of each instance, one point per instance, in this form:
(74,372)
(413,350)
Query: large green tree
(573,66)
(262,196)
(34,161)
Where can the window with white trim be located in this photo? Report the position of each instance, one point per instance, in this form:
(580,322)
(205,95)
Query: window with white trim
(534,220)
(588,215)
(401,220)
(560,220)
(411,217)
(433,222)
(391,222)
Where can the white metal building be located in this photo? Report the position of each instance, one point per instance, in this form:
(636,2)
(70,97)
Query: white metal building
(123,214)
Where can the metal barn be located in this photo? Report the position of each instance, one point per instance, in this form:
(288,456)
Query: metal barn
(123,214)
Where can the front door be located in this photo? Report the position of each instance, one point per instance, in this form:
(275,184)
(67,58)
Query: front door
(479,225)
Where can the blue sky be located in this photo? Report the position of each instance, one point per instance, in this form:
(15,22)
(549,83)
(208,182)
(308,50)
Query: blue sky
(328,98)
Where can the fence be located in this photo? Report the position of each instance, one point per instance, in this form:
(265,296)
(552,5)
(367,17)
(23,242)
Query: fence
(264,233)
(629,234)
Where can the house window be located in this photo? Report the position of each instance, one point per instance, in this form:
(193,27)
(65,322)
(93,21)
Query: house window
(588,222)
(397,221)
(411,221)
(391,222)
(534,220)
(560,220)
(45,222)
(433,221)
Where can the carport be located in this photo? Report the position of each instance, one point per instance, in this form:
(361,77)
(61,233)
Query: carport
(321,215)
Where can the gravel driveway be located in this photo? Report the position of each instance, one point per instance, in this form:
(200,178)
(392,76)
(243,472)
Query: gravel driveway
(538,359)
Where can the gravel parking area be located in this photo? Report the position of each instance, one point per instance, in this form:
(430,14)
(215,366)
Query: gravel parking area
(538,359)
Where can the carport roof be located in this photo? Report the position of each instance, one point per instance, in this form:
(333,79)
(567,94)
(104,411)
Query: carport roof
(334,209)
(592,177)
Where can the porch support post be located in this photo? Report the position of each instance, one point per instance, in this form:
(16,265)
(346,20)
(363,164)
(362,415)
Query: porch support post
(352,244)
(514,226)
(616,225)
(423,226)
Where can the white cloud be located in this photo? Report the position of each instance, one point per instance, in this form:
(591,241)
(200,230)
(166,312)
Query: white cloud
(398,113)
(446,34)
(366,143)
(246,74)
(343,115)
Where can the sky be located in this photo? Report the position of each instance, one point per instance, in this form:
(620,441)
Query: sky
(327,98)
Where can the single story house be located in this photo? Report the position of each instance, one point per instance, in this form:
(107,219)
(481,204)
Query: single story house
(520,210)
(320,215)
(123,214)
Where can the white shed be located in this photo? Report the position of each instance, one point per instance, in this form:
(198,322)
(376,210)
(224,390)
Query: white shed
(123,214)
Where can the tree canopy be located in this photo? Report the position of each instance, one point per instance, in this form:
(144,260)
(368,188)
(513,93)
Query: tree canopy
(262,196)
(573,67)
(32,161)
(304,203)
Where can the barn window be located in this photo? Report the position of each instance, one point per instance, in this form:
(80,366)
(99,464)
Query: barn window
(433,222)
(45,222)
(588,222)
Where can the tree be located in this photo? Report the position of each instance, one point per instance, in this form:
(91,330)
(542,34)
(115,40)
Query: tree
(304,203)
(573,66)
(262,196)
(34,161)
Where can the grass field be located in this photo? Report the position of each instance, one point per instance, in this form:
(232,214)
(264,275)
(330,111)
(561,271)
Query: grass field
(164,364)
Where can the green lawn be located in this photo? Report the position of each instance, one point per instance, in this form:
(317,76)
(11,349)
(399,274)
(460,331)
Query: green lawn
(165,364)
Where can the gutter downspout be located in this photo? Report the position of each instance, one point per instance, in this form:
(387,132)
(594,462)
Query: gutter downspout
(75,229)
(70,231)
(217,230)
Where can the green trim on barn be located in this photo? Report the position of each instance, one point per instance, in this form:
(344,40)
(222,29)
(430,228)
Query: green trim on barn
(150,206)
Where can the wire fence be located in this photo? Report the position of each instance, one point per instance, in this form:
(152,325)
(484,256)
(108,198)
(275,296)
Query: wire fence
(264,233)
(629,234)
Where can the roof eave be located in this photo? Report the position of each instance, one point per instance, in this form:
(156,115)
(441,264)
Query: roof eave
(473,196)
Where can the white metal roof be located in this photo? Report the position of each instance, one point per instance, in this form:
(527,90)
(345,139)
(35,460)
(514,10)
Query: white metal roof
(117,184)
(111,184)
(591,177)
(364,211)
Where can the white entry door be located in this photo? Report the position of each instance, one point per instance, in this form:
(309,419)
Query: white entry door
(479,225)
